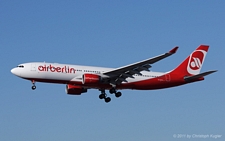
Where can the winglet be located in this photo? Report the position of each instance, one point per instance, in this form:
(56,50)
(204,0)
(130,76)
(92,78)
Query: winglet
(174,50)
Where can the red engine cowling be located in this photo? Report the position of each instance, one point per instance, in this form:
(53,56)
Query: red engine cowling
(75,90)
(91,79)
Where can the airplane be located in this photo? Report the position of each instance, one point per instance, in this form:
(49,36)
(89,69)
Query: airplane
(79,79)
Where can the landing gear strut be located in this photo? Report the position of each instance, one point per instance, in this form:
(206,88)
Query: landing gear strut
(103,95)
(33,87)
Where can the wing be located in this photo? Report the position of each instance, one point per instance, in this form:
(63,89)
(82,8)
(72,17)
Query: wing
(119,75)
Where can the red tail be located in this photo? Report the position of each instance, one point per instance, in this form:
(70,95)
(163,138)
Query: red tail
(193,63)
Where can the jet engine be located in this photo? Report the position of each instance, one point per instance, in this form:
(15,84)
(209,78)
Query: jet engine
(75,90)
(91,79)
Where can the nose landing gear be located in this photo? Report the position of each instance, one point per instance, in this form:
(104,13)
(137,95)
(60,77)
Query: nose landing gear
(33,87)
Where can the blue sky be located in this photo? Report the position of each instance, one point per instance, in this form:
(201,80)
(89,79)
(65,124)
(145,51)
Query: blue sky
(110,34)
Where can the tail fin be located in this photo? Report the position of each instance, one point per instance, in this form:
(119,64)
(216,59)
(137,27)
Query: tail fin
(194,62)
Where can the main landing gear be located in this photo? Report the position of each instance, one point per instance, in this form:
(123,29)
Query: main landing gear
(33,87)
(103,95)
(113,91)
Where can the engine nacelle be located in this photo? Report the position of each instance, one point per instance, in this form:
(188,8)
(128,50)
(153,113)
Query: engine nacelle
(91,79)
(75,90)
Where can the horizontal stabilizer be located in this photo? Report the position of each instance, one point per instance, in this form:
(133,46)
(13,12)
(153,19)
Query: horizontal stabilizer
(195,77)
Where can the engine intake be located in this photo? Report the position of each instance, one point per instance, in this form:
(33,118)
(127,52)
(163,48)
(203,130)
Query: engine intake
(75,90)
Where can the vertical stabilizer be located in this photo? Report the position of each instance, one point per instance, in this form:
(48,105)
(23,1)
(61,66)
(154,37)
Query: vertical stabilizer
(193,63)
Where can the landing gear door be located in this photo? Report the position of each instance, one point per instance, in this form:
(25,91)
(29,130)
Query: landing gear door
(33,67)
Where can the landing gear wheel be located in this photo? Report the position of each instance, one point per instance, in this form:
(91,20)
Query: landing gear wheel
(118,94)
(33,87)
(107,99)
(101,96)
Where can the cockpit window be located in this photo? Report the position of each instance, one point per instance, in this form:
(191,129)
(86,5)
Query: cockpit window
(20,66)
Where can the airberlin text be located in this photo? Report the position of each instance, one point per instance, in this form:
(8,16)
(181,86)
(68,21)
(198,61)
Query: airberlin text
(51,68)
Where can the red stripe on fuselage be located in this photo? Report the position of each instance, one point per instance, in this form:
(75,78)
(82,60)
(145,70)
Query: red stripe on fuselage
(149,84)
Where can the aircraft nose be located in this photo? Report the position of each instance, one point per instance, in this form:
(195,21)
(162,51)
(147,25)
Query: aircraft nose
(13,71)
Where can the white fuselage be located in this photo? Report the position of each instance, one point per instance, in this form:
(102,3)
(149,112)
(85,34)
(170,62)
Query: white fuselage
(62,73)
